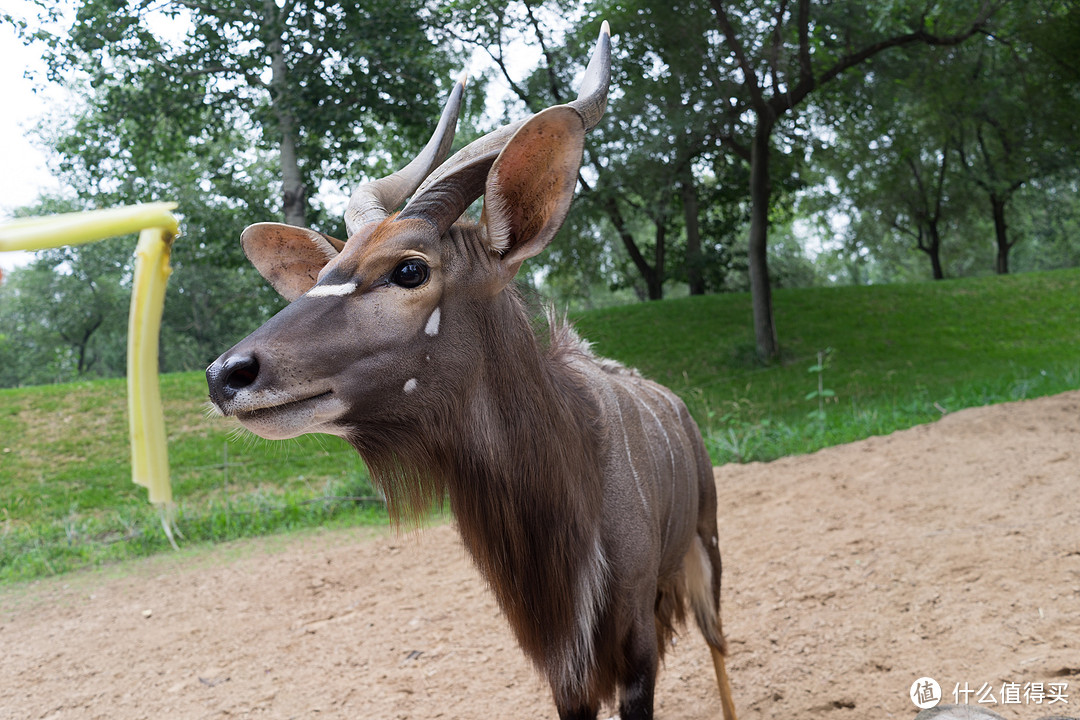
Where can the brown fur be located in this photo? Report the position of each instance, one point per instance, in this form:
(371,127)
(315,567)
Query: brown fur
(517,448)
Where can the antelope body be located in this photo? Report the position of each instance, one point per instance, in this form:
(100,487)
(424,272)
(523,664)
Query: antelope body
(582,491)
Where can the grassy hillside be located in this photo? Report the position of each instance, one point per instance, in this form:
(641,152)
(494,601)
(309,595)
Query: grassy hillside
(901,355)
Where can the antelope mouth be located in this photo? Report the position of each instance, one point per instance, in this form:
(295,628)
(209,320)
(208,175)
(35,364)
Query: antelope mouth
(280,407)
(314,413)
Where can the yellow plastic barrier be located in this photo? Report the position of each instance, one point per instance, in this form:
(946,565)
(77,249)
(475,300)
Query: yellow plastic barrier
(157,228)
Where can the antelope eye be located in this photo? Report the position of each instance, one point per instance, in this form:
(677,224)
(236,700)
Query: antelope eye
(410,273)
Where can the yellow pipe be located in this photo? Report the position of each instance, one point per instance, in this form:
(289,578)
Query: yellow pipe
(149,453)
(157,227)
(41,233)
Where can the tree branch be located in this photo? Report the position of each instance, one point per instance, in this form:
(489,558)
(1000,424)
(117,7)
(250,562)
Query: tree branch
(741,150)
(988,163)
(498,60)
(908,231)
(849,61)
(615,215)
(806,69)
(210,9)
(939,200)
(553,80)
(777,43)
(920,186)
(809,83)
(750,78)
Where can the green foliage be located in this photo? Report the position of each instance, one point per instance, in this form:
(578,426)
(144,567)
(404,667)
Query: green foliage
(628,229)
(951,134)
(341,80)
(65,316)
(1045,223)
(183,102)
(192,103)
(200,119)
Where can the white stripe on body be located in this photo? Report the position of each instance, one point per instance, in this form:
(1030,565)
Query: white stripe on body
(629,453)
(632,389)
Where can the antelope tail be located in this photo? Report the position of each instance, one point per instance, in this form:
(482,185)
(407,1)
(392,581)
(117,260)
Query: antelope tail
(703,592)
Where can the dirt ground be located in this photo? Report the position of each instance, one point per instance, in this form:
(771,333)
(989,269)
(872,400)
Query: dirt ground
(950,550)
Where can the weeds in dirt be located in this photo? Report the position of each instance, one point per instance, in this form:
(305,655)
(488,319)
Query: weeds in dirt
(770,439)
(822,394)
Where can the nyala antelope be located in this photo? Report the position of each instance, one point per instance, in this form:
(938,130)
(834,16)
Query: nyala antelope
(582,491)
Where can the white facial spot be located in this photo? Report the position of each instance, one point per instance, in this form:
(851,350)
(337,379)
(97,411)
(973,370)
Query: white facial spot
(331,290)
(432,327)
(715,542)
(410,385)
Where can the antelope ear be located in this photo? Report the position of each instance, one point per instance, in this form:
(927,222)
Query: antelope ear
(531,184)
(289,257)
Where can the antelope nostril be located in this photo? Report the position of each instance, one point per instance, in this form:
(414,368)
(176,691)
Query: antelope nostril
(239,373)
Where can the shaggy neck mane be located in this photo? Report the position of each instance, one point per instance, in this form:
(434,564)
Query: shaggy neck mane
(517,453)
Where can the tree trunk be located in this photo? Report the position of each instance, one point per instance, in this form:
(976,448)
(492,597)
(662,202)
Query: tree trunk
(82,344)
(656,281)
(934,251)
(294,193)
(694,263)
(653,278)
(1001,233)
(935,264)
(768,347)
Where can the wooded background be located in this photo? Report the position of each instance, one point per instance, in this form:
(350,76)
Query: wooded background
(746,146)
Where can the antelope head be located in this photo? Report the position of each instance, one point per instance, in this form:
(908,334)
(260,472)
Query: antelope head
(383,328)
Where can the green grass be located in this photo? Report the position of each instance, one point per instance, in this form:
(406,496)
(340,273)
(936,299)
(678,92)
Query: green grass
(67,500)
(901,355)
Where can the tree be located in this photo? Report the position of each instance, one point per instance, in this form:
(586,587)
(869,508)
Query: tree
(1046,214)
(206,122)
(316,83)
(737,91)
(890,150)
(660,140)
(785,55)
(213,297)
(59,316)
(1004,144)
(642,177)
(925,136)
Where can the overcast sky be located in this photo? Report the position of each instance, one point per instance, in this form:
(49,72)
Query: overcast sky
(23,164)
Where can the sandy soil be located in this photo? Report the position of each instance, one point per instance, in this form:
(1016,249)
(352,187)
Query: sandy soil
(950,550)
